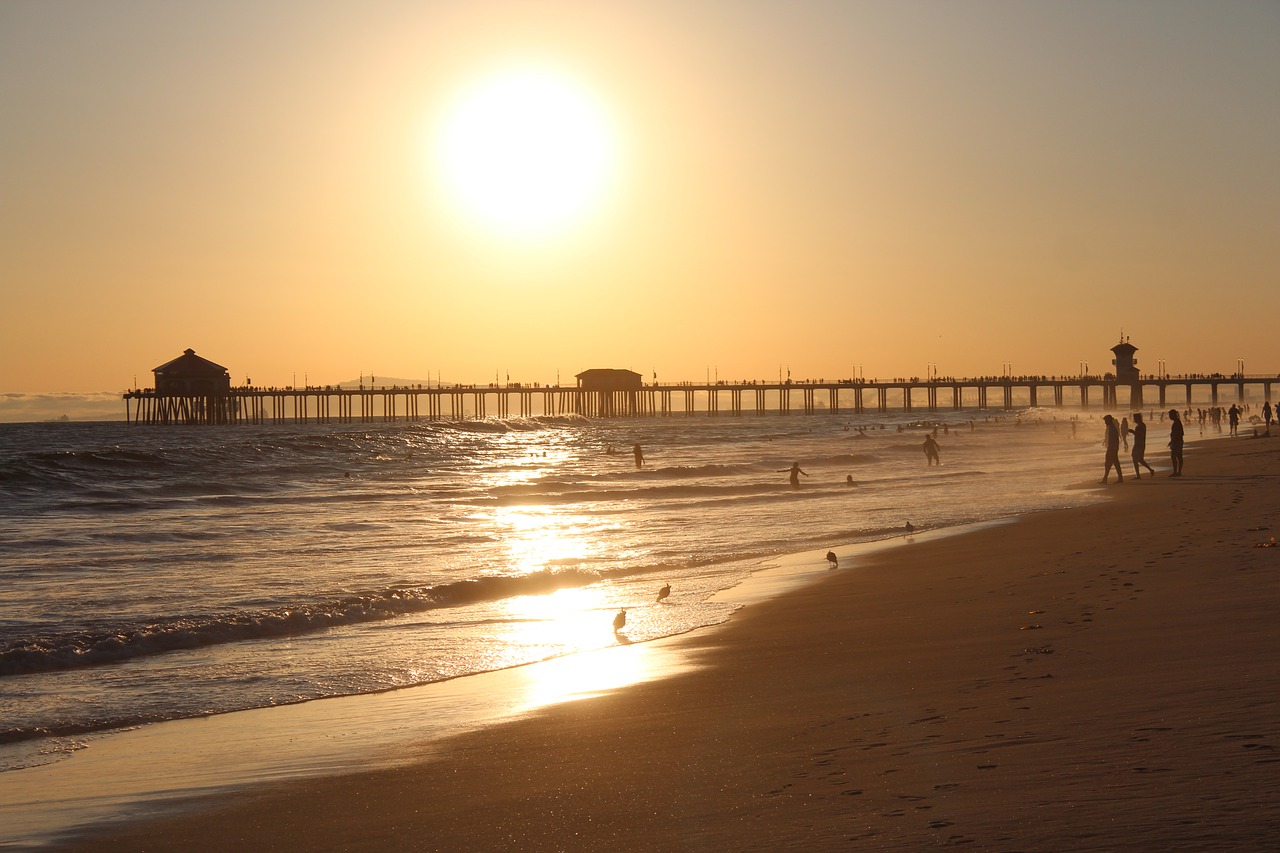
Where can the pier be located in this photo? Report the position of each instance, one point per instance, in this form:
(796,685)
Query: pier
(333,404)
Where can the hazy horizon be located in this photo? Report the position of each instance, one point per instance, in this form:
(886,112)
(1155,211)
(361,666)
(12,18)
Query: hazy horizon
(480,189)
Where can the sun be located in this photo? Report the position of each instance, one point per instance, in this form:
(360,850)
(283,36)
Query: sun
(526,152)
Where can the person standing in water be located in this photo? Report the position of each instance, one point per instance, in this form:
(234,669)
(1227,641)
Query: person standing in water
(1112,443)
(795,472)
(1175,442)
(931,451)
(639,454)
(1139,451)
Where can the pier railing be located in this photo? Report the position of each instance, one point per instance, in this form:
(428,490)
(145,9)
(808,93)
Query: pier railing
(332,404)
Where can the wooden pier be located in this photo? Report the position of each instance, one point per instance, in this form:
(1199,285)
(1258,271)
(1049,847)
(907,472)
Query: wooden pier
(252,405)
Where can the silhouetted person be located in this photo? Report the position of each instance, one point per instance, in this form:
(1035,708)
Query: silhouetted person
(1233,419)
(931,451)
(832,559)
(1124,432)
(1175,442)
(639,454)
(664,592)
(1139,451)
(795,472)
(1266,415)
(620,620)
(848,480)
(1112,443)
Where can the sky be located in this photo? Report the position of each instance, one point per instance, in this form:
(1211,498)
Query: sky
(825,187)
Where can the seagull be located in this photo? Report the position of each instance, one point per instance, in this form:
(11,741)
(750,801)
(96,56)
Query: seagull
(831,558)
(620,620)
(664,592)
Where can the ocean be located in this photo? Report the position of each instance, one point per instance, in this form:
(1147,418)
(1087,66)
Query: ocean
(157,573)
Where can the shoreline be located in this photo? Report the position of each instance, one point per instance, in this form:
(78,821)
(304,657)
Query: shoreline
(873,704)
(296,741)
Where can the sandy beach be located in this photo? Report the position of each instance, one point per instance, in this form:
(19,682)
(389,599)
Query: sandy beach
(1092,679)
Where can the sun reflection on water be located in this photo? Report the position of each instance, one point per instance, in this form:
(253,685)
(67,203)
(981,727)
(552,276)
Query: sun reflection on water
(536,538)
(577,623)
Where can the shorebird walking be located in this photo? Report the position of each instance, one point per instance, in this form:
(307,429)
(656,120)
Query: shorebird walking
(620,620)
(832,559)
(664,592)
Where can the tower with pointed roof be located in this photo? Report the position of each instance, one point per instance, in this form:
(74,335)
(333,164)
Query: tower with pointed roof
(1127,370)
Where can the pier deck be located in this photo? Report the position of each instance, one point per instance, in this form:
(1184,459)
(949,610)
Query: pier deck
(252,405)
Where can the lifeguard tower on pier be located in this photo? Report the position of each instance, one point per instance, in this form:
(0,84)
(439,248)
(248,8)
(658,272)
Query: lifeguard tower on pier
(1127,371)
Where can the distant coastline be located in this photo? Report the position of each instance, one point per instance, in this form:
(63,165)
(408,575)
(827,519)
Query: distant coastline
(68,406)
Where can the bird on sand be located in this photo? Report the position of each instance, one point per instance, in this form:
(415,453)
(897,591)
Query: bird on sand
(910,528)
(664,592)
(619,620)
(832,559)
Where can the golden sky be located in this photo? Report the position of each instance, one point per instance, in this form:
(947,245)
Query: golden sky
(818,185)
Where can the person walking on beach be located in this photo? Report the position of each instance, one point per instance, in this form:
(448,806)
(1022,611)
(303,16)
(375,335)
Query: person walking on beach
(1233,419)
(1175,442)
(1124,432)
(795,472)
(1140,446)
(1112,443)
(931,451)
(639,454)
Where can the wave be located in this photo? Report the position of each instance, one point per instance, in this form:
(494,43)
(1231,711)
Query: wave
(96,648)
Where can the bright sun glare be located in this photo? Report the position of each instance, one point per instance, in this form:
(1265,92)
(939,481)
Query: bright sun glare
(526,152)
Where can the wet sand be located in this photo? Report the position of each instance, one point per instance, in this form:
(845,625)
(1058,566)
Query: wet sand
(1094,679)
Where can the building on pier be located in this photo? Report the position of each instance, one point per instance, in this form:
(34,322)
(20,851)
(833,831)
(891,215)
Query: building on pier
(609,379)
(609,392)
(190,375)
(190,390)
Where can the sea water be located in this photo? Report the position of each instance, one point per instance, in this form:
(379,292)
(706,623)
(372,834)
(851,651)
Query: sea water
(155,573)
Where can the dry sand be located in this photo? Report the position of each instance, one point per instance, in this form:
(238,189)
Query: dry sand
(1095,679)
